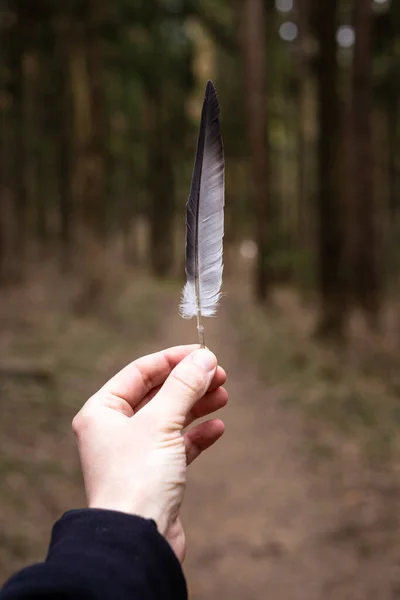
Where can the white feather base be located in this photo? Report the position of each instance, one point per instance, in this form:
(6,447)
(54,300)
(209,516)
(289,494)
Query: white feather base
(188,305)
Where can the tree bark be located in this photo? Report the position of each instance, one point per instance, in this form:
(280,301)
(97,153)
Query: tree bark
(329,209)
(20,192)
(303,208)
(5,102)
(255,91)
(35,201)
(87,97)
(366,276)
(392,114)
(7,134)
(161,153)
(161,187)
(3,192)
(63,138)
(96,146)
(392,110)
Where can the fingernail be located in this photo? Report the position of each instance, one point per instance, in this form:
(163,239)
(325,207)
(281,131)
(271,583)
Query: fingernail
(205,359)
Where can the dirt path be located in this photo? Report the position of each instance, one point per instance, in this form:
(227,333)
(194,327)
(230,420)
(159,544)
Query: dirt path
(247,507)
(264,519)
(260,523)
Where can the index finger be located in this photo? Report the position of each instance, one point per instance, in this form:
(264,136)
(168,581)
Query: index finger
(135,380)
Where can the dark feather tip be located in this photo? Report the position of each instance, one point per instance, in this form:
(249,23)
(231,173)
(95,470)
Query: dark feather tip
(210,89)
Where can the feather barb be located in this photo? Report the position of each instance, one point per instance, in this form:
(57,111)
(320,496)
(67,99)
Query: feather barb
(205,219)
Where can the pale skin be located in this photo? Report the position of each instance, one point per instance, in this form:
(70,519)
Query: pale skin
(132,437)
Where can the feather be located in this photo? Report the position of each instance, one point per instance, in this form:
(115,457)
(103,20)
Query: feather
(205,219)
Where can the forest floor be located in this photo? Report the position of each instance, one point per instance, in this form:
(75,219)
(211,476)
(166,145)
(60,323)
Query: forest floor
(299,500)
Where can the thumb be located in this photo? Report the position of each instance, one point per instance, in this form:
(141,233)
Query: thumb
(187,383)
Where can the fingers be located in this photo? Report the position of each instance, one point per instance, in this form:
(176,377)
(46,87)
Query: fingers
(202,437)
(210,403)
(186,384)
(218,380)
(139,377)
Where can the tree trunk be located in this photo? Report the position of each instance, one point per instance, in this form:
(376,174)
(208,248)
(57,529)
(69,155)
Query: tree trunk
(63,139)
(87,95)
(8,60)
(330,221)
(3,192)
(95,200)
(161,153)
(20,192)
(392,114)
(303,208)
(366,276)
(35,201)
(123,166)
(255,90)
(5,103)
(161,187)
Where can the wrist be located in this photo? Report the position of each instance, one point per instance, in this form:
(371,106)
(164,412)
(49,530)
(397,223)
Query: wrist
(146,510)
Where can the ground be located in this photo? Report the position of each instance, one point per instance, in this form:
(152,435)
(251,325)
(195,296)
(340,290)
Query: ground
(300,499)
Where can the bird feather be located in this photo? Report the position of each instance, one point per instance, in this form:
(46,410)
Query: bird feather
(205,219)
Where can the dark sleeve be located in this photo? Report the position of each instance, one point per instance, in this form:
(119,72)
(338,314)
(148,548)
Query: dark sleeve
(99,554)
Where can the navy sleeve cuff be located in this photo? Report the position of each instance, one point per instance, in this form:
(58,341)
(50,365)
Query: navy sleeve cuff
(101,554)
(128,541)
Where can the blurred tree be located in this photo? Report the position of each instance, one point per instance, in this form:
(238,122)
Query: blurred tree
(386,53)
(365,275)
(61,98)
(98,125)
(5,105)
(331,271)
(255,91)
(167,85)
(86,66)
(19,35)
(303,43)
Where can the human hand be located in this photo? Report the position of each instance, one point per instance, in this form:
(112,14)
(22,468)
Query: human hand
(130,436)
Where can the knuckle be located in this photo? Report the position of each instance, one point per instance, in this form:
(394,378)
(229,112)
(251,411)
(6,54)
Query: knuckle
(81,422)
(190,380)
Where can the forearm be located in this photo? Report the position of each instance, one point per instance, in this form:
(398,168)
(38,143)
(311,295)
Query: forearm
(96,554)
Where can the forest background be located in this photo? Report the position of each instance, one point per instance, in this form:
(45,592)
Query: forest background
(99,111)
